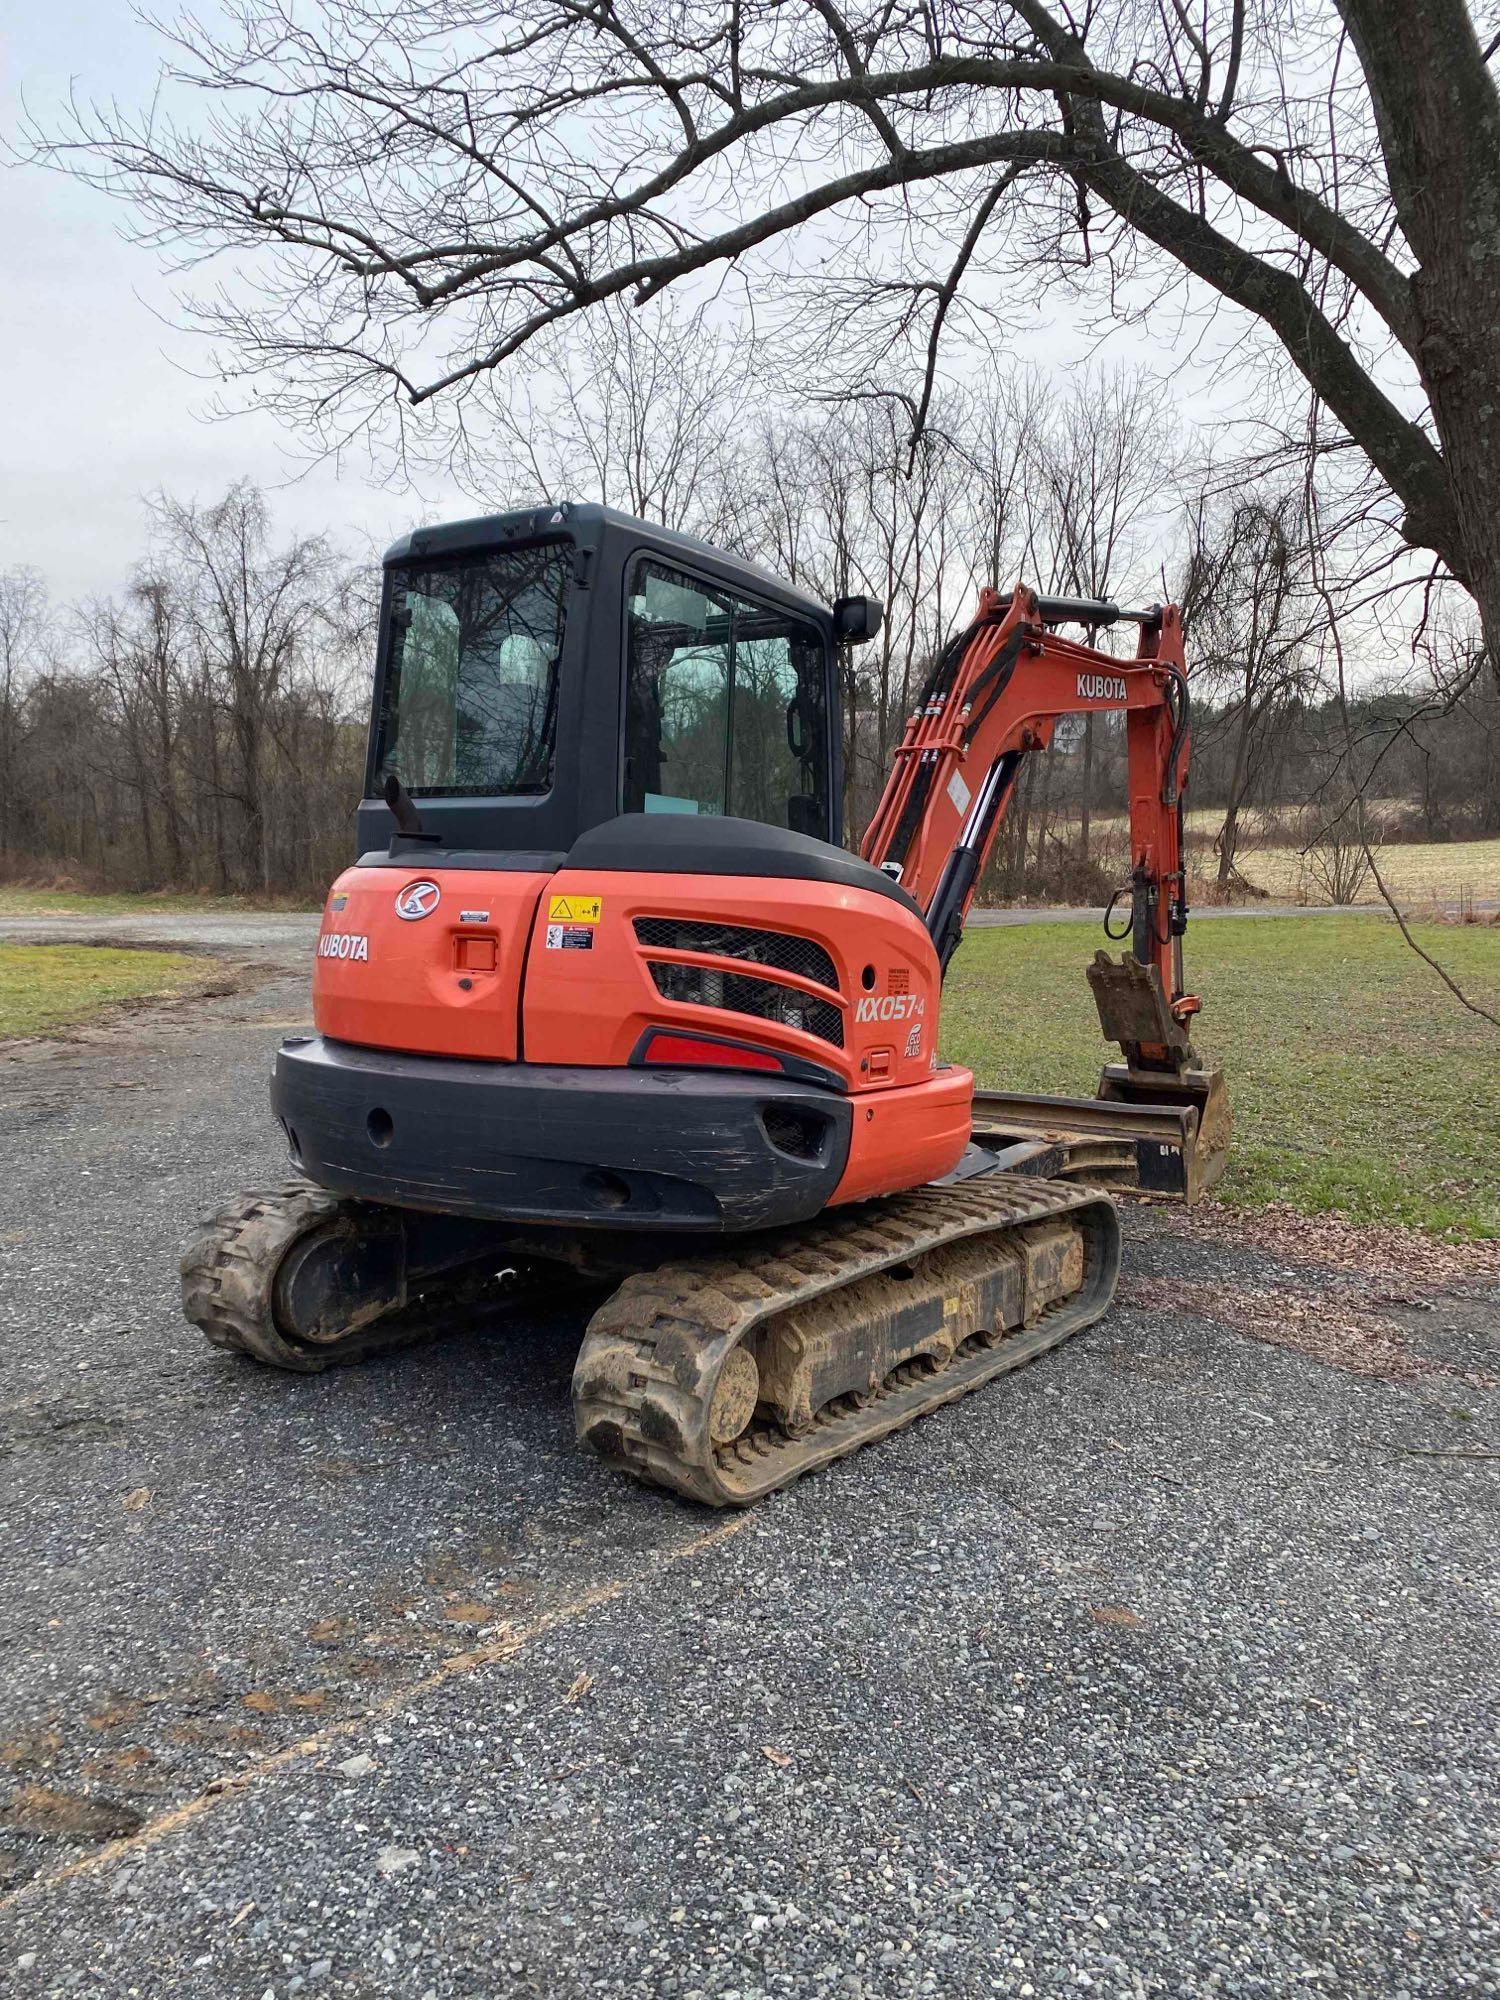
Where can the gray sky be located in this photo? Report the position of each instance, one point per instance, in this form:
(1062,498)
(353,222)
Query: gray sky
(104,406)
(98,407)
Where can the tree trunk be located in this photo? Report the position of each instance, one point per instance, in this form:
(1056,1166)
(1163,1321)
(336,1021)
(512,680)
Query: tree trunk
(1229,833)
(1438,115)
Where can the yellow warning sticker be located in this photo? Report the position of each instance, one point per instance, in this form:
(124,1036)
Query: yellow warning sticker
(574,909)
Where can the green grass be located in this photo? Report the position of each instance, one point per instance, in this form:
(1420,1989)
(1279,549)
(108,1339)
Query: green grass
(49,986)
(1358,1084)
(16,901)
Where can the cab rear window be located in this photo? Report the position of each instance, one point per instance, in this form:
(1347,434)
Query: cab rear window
(470,699)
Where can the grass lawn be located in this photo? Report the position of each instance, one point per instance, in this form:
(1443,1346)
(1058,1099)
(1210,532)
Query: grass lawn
(1357,1082)
(16,901)
(47,986)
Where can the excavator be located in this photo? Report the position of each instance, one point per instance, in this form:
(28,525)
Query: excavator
(604,1003)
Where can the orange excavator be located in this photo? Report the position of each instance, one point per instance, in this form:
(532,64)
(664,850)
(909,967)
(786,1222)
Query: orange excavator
(604,999)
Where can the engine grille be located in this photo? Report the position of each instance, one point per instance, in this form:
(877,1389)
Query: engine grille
(804,956)
(741,993)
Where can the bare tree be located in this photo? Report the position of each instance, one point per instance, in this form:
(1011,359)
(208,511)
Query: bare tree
(256,614)
(840,505)
(1106,465)
(206,730)
(141,656)
(1253,617)
(423,187)
(25,632)
(640,411)
(1338,859)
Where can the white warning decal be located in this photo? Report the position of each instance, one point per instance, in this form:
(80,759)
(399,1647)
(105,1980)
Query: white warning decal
(958,791)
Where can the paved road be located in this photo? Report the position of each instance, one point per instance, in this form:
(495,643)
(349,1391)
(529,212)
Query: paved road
(1161,1670)
(1059,914)
(284,933)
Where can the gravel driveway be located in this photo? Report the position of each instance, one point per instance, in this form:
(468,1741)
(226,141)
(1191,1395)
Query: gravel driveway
(1166,1667)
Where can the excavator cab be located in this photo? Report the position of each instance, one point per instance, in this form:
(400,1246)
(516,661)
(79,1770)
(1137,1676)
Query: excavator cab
(544,671)
(570,702)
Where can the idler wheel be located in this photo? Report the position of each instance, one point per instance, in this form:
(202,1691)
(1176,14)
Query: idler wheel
(735,1396)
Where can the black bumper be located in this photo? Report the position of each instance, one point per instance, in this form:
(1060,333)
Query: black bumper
(524,1142)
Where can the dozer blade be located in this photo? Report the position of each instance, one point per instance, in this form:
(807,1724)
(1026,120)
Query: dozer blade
(726,1379)
(1161,1132)
(1198,1097)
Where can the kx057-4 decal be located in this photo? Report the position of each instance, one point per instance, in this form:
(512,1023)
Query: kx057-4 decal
(890,1007)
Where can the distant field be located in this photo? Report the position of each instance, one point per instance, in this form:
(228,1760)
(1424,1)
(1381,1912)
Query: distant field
(49,986)
(1428,872)
(1416,874)
(1357,1083)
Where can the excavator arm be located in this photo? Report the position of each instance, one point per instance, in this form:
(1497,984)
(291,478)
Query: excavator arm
(994,698)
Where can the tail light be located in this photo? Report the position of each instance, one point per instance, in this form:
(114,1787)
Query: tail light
(705,1052)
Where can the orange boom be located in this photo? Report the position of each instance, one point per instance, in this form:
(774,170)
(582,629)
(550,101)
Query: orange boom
(604,997)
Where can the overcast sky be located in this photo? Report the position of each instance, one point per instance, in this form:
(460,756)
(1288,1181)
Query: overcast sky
(103,406)
(98,407)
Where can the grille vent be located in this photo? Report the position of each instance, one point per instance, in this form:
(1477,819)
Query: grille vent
(804,956)
(741,993)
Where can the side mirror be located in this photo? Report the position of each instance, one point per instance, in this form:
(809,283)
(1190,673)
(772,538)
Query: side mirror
(857,619)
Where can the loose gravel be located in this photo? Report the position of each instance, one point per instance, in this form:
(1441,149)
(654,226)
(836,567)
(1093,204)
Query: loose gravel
(1166,1667)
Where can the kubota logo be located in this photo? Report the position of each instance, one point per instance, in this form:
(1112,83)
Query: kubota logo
(418,899)
(1101,687)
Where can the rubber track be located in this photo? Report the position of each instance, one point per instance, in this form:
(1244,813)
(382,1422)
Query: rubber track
(229,1274)
(646,1371)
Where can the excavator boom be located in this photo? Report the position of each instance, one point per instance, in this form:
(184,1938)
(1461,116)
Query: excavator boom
(993,699)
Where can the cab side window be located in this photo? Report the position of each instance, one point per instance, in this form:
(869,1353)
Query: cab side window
(725,708)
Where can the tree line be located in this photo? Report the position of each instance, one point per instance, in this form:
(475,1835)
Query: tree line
(205,729)
(414,197)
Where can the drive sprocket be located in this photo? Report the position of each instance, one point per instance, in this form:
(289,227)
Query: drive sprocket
(231,1271)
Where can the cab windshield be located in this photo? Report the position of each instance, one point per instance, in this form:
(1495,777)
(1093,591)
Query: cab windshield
(469,706)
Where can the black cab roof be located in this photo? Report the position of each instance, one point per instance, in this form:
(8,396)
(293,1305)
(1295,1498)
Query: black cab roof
(588,523)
